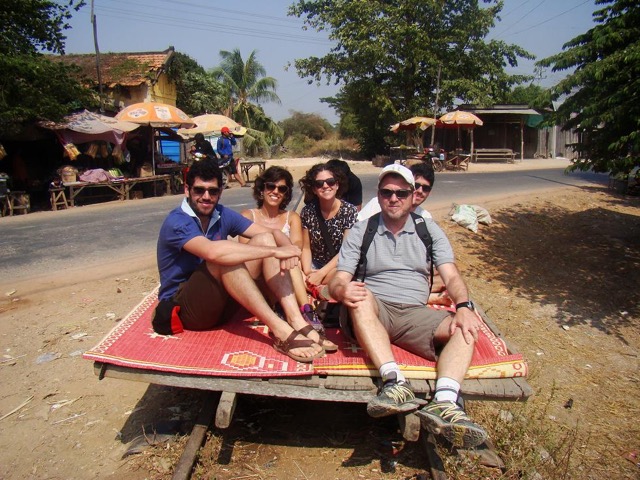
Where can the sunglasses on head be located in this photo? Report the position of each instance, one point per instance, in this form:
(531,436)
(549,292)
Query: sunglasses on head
(401,194)
(425,188)
(213,191)
(329,181)
(270,186)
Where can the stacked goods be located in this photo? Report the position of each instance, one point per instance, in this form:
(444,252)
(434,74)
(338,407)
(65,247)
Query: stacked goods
(146,170)
(68,173)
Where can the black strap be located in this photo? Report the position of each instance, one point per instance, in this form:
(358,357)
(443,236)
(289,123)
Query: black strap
(325,231)
(372,227)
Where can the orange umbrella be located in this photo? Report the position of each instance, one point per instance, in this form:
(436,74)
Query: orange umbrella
(459,118)
(156,115)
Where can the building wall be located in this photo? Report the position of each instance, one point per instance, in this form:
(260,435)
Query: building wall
(163,91)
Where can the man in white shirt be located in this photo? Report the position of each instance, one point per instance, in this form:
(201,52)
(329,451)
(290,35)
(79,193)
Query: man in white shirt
(424,178)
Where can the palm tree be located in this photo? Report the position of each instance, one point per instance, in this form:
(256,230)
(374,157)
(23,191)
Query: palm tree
(245,82)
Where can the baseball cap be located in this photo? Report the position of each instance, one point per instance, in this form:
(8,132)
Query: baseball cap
(224,130)
(401,170)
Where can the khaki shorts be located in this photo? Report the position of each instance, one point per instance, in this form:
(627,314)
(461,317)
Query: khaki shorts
(204,303)
(411,327)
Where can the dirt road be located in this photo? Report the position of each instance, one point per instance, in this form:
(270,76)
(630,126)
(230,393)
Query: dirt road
(558,273)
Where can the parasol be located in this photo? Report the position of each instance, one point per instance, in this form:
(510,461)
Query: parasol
(212,123)
(461,118)
(413,123)
(155,115)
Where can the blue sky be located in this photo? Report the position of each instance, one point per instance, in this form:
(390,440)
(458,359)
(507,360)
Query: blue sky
(201,28)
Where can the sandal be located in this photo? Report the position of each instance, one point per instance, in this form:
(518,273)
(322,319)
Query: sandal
(323,338)
(285,347)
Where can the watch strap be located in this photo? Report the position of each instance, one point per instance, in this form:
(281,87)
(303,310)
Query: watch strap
(468,304)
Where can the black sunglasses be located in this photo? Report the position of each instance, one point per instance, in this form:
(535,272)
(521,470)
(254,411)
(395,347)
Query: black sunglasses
(401,194)
(272,186)
(425,188)
(329,181)
(213,191)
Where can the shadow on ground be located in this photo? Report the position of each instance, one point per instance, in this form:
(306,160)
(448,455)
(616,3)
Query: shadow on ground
(585,262)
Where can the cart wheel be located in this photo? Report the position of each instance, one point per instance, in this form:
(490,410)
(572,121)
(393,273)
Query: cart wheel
(438,165)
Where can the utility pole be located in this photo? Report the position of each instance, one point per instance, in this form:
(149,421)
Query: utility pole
(435,108)
(95,43)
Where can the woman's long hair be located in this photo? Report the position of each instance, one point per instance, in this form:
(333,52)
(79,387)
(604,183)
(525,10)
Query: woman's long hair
(273,174)
(306,182)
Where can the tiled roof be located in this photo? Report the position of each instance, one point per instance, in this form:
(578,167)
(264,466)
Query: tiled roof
(126,69)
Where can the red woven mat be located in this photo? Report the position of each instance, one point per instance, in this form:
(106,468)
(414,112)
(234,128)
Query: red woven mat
(242,348)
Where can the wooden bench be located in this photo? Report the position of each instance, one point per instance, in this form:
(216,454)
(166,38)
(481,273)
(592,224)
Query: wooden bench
(494,155)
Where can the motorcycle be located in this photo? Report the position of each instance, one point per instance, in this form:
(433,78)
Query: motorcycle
(222,164)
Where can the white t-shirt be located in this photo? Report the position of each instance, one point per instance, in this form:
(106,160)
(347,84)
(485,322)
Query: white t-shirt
(373,206)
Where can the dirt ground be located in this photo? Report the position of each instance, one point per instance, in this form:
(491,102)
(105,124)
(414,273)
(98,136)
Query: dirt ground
(559,273)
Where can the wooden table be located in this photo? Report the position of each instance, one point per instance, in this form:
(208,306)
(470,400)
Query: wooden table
(246,165)
(121,188)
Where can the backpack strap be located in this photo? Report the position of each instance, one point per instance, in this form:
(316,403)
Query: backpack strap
(372,227)
(423,233)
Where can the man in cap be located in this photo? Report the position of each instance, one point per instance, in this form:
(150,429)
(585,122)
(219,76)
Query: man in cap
(225,145)
(424,177)
(387,304)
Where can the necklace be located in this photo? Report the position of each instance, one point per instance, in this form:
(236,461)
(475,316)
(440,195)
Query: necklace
(268,219)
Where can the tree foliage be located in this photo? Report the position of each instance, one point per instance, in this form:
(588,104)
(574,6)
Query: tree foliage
(307,124)
(27,27)
(197,91)
(388,53)
(603,92)
(532,95)
(245,82)
(31,86)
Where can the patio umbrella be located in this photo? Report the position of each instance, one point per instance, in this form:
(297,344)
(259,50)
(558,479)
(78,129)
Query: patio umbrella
(212,123)
(155,115)
(413,123)
(459,118)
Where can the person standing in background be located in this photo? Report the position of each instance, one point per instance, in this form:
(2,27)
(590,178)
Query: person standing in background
(225,145)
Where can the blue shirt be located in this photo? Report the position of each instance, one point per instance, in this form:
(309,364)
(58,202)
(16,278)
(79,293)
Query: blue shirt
(181,225)
(225,146)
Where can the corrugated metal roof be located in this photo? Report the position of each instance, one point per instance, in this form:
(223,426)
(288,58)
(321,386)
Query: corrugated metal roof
(126,69)
(515,111)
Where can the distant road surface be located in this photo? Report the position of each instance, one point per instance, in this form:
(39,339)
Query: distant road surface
(124,233)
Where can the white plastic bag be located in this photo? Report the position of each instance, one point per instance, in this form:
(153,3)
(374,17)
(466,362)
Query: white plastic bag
(482,214)
(465,216)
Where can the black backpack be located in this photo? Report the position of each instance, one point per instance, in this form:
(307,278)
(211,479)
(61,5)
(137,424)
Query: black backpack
(372,226)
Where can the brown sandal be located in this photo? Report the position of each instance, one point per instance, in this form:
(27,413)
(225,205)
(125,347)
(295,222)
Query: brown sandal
(285,347)
(329,349)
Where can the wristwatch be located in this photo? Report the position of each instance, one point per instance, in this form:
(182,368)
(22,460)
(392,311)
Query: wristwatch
(468,304)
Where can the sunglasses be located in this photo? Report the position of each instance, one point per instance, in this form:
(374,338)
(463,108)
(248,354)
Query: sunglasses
(213,191)
(329,181)
(388,193)
(425,188)
(272,186)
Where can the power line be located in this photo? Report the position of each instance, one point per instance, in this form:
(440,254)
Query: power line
(206,26)
(552,18)
(520,19)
